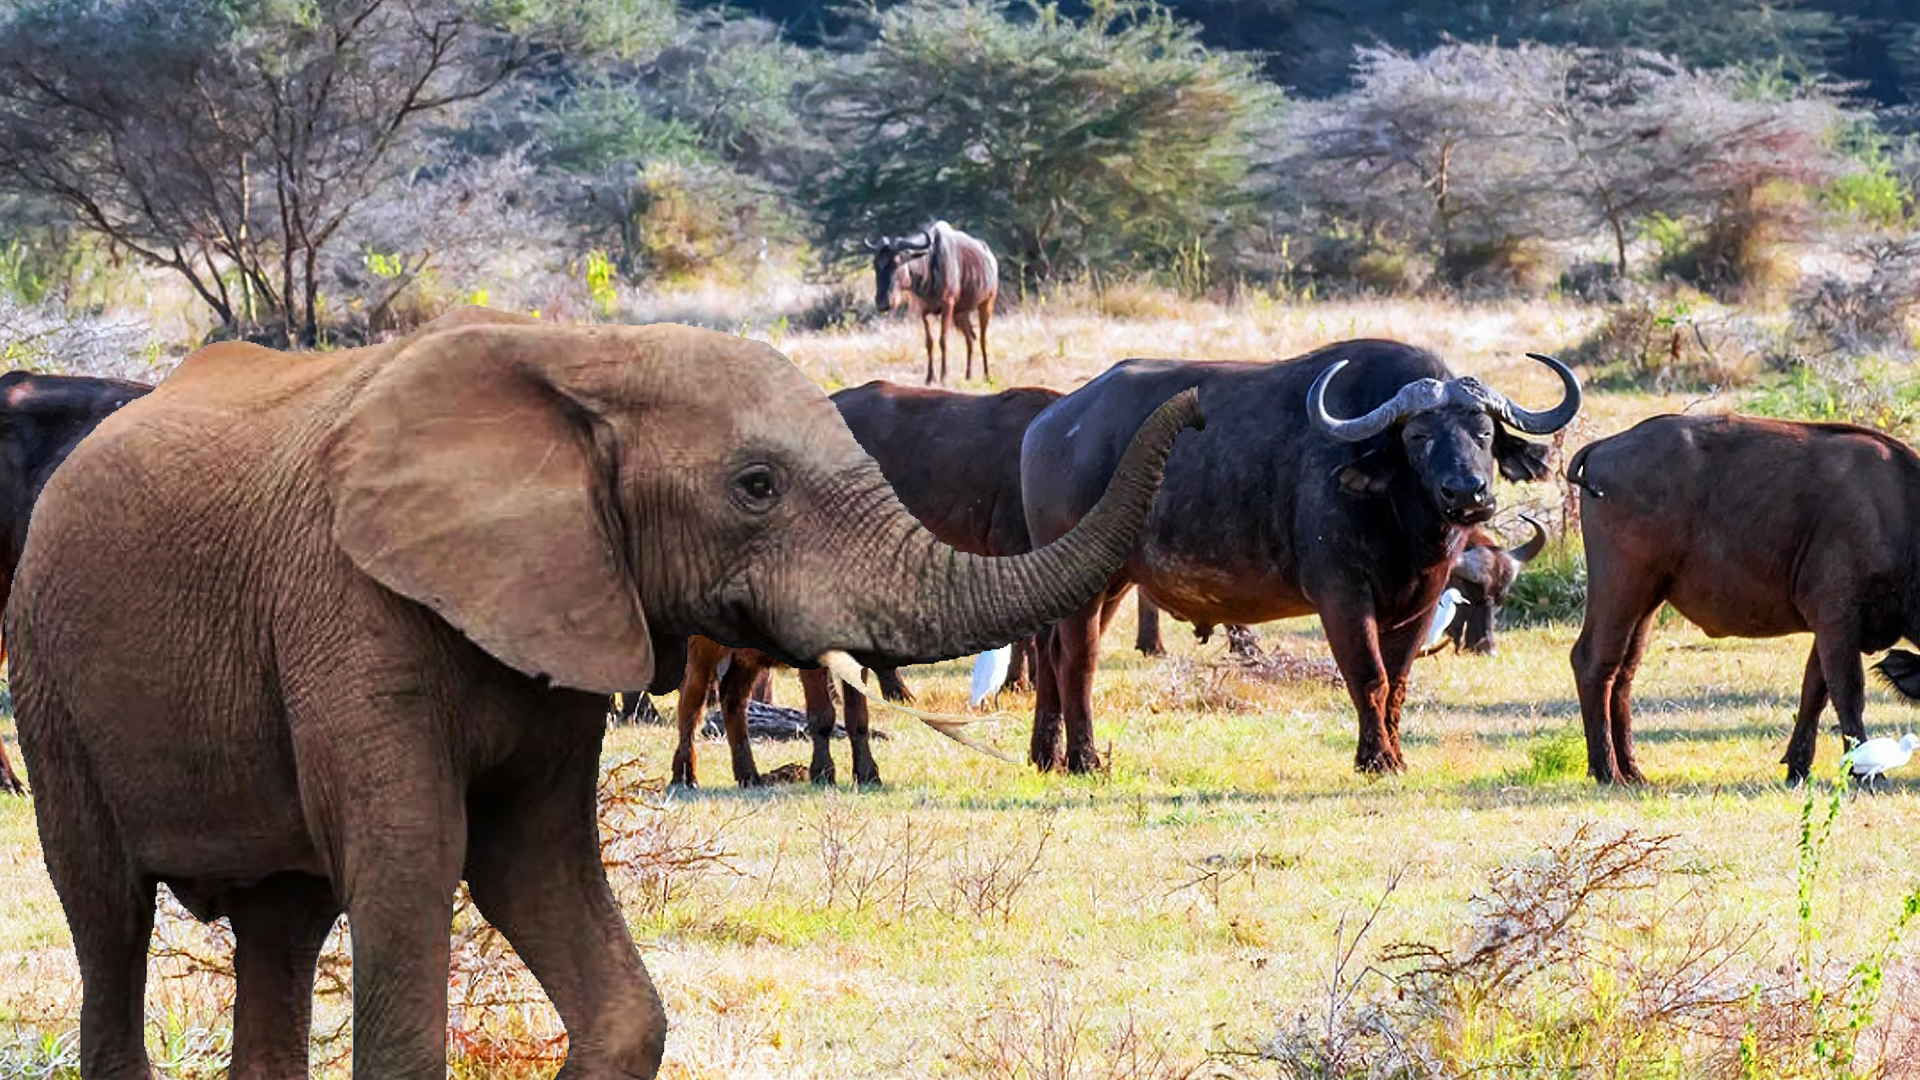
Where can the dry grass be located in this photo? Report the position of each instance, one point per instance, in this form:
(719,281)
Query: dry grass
(975,919)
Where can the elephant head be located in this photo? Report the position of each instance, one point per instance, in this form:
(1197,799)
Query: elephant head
(578,500)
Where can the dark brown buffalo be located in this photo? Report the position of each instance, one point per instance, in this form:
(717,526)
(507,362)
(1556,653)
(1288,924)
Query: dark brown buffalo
(1749,528)
(1279,509)
(42,418)
(1484,573)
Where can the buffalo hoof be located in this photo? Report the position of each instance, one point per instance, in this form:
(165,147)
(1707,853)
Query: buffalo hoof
(752,779)
(10,784)
(1379,763)
(1084,760)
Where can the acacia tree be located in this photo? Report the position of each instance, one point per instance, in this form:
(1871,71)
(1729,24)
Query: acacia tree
(1095,141)
(231,150)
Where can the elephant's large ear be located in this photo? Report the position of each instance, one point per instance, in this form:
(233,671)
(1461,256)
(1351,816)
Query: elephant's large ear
(463,479)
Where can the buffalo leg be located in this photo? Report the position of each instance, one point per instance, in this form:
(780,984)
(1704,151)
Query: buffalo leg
(736,687)
(1078,640)
(986,316)
(866,773)
(1022,665)
(816,686)
(279,926)
(1355,641)
(1604,661)
(1398,648)
(1839,649)
(1806,723)
(703,659)
(1048,721)
(1147,637)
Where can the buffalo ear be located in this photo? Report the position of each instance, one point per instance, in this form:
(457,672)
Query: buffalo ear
(1519,459)
(462,478)
(1371,473)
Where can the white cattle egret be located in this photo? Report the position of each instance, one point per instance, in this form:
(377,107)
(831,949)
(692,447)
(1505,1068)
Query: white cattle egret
(989,672)
(1442,618)
(1876,756)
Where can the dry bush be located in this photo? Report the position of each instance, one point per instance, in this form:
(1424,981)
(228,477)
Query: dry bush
(988,879)
(1838,316)
(1055,1041)
(870,867)
(52,337)
(1671,345)
(1588,959)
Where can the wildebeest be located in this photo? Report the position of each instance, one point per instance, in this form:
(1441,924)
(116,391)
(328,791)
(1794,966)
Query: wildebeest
(957,278)
(1282,508)
(1749,528)
(42,418)
(1484,573)
(954,460)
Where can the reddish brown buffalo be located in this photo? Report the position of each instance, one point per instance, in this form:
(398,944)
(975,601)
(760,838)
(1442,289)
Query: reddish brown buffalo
(1749,528)
(1484,573)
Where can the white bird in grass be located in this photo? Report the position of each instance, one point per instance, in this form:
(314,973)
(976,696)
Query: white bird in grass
(989,672)
(1875,756)
(1442,618)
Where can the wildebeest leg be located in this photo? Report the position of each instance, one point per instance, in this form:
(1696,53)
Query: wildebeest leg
(816,686)
(1147,637)
(1355,641)
(965,319)
(279,926)
(946,324)
(1806,724)
(703,659)
(736,686)
(927,329)
(1611,640)
(986,316)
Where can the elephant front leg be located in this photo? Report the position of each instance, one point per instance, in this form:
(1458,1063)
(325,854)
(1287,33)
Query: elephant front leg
(279,927)
(534,870)
(1354,639)
(403,869)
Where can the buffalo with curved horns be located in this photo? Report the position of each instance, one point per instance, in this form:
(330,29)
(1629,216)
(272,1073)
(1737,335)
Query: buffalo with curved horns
(1749,528)
(1342,483)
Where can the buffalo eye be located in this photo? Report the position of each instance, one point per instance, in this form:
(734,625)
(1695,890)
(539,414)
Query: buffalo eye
(757,486)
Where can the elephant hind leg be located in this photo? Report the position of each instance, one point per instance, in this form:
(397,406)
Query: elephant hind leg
(109,907)
(279,926)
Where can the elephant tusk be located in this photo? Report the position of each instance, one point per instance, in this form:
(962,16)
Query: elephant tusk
(847,670)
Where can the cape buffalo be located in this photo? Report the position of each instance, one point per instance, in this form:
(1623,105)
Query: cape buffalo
(42,418)
(1281,508)
(1749,528)
(958,278)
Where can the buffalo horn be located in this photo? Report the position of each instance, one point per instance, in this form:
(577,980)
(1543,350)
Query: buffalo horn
(1416,395)
(1552,420)
(1528,551)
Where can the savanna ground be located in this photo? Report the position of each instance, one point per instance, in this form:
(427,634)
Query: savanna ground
(1195,911)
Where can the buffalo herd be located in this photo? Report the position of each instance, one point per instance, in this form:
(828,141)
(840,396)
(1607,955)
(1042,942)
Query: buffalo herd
(1354,483)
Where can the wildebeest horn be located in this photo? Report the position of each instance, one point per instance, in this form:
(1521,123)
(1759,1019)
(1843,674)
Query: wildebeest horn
(1530,550)
(871,245)
(1416,395)
(1542,423)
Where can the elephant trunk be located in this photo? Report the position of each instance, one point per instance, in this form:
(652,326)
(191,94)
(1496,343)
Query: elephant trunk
(968,603)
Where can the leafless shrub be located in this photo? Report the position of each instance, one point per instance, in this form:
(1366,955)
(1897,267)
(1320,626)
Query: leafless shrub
(52,337)
(868,867)
(1283,666)
(1192,684)
(1837,316)
(1054,1041)
(652,855)
(987,879)
(1670,344)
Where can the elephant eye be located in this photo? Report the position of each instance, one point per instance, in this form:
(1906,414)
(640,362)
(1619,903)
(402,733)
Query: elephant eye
(757,486)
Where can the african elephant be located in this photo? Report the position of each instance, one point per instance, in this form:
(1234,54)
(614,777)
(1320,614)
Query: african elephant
(42,418)
(373,603)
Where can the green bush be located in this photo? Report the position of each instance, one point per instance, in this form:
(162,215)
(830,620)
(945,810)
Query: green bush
(1552,588)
